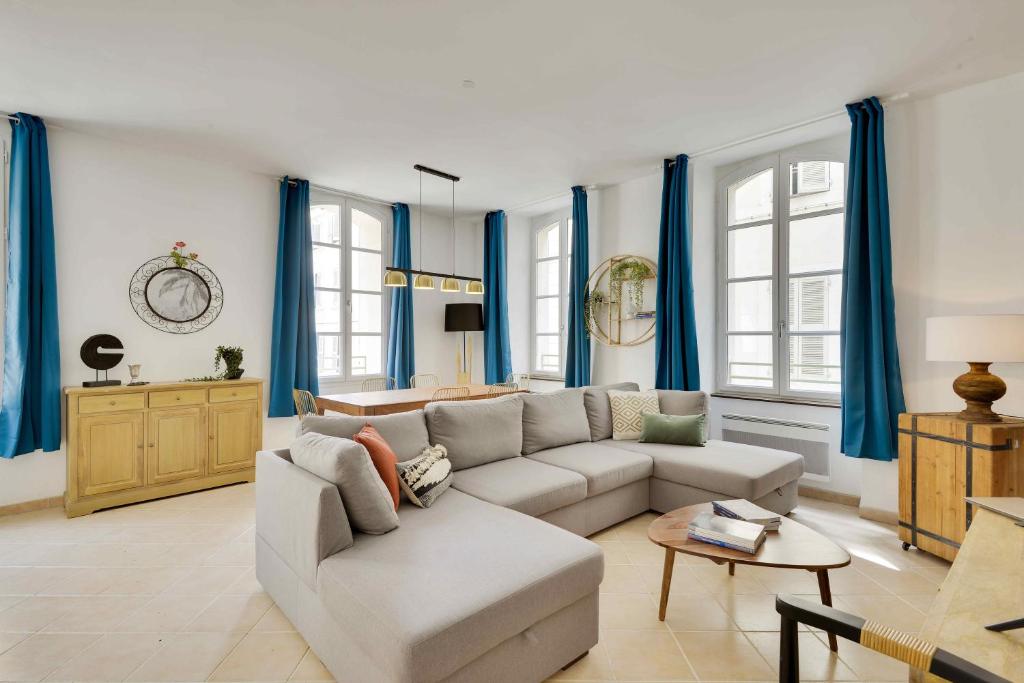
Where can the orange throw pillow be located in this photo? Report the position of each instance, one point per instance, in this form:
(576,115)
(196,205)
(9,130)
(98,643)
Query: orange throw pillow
(384,459)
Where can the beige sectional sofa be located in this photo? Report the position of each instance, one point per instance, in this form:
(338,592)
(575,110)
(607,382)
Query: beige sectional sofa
(475,588)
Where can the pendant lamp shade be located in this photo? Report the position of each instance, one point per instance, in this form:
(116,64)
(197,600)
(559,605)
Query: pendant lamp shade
(475,287)
(451,285)
(423,281)
(395,278)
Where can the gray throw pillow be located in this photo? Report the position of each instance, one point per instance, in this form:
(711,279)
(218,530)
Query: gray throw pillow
(477,432)
(348,466)
(556,418)
(599,410)
(425,478)
(406,433)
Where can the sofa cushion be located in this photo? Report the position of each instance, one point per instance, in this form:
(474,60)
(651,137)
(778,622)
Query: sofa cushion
(452,583)
(384,459)
(599,410)
(673,402)
(628,410)
(477,432)
(348,466)
(523,485)
(604,467)
(733,469)
(406,433)
(553,419)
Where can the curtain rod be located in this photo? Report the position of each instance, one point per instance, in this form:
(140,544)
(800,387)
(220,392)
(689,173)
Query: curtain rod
(552,198)
(737,143)
(343,193)
(785,129)
(9,115)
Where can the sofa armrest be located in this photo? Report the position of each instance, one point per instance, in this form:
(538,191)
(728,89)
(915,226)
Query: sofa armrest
(298,514)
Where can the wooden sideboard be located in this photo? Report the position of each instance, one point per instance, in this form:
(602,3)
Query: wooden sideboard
(943,460)
(127,444)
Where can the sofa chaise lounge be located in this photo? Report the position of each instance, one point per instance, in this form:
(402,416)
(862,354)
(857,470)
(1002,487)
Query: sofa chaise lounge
(475,588)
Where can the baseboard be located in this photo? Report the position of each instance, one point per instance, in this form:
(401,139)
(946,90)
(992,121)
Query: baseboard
(830,496)
(876,515)
(31,505)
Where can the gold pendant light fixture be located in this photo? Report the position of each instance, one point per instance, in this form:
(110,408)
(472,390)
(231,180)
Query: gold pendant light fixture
(422,279)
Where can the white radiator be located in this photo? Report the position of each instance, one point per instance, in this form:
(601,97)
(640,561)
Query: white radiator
(809,439)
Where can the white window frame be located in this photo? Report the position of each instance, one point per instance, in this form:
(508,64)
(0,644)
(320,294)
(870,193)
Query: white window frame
(345,249)
(780,278)
(564,218)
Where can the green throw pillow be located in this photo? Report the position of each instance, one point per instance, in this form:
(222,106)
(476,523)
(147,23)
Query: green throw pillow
(683,430)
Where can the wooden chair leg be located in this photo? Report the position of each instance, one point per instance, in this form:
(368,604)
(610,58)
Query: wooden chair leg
(789,652)
(666,582)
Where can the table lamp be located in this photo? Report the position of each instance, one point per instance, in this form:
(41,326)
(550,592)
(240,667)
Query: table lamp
(464,318)
(978,340)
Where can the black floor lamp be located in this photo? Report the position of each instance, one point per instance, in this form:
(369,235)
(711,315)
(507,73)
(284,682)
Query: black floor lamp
(464,318)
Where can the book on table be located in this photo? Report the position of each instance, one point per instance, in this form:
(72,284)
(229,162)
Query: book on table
(727,533)
(748,512)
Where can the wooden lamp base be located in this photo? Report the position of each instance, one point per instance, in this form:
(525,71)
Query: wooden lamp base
(980,389)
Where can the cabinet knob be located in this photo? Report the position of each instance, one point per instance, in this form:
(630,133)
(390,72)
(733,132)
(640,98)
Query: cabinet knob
(177,398)
(152,445)
(113,403)
(234,393)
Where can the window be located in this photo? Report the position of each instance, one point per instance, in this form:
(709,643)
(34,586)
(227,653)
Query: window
(348,246)
(780,277)
(552,249)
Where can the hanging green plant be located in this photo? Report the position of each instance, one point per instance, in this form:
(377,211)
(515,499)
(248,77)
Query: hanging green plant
(594,299)
(635,272)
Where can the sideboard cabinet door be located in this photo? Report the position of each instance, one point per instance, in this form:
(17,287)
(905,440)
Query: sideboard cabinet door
(233,427)
(176,447)
(110,452)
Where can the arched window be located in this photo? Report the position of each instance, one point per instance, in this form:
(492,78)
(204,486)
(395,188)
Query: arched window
(780,277)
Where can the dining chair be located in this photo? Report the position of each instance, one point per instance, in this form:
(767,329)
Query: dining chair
(451,394)
(305,404)
(520,379)
(379,384)
(872,635)
(424,379)
(501,388)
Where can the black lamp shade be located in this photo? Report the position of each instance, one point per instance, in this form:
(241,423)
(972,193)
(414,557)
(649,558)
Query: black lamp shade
(463,318)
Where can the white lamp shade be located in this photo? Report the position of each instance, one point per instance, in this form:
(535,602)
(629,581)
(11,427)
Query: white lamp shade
(975,338)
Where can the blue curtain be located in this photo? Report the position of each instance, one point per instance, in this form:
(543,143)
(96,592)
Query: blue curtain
(30,417)
(577,353)
(401,346)
(872,390)
(497,353)
(675,327)
(293,350)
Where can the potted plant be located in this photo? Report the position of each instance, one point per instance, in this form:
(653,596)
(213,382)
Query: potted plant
(635,272)
(231,356)
(594,299)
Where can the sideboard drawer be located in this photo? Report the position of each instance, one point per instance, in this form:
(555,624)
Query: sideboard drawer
(182,397)
(111,403)
(225,394)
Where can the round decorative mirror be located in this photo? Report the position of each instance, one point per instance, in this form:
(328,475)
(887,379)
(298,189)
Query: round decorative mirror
(176,298)
(619,310)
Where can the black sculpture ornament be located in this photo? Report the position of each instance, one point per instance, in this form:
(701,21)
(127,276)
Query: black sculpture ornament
(102,352)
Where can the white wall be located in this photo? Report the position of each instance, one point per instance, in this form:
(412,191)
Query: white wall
(117,205)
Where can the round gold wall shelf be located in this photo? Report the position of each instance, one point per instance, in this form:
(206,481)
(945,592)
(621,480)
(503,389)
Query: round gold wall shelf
(613,318)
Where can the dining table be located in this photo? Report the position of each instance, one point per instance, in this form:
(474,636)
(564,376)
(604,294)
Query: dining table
(397,400)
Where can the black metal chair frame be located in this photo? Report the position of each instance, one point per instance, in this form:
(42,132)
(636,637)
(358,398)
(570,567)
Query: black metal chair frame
(891,643)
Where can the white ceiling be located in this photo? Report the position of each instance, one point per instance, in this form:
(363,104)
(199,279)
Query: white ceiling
(352,94)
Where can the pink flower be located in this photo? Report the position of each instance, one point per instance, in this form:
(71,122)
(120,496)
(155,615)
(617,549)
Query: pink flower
(179,244)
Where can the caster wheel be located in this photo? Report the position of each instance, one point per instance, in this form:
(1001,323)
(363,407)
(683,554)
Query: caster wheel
(906,546)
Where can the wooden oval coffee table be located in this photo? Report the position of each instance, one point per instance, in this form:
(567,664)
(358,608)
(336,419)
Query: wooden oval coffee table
(793,546)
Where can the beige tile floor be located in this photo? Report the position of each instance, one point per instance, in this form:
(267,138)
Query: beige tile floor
(165,591)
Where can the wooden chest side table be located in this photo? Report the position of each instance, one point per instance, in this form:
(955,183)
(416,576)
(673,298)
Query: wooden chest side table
(943,459)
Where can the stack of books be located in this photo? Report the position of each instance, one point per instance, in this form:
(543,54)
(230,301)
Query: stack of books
(748,512)
(727,533)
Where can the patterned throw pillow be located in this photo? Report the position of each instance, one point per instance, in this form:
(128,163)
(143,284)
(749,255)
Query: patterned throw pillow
(628,410)
(427,476)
